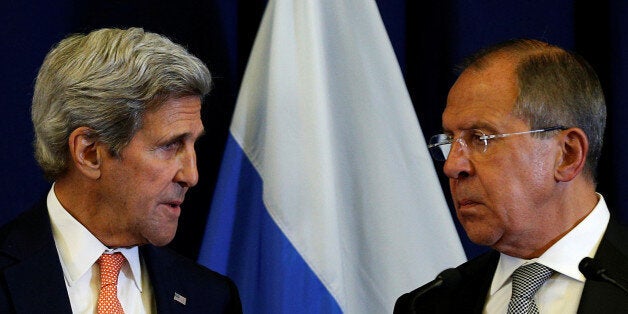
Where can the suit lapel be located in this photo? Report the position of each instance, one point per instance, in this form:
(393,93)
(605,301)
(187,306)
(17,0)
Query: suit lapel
(468,296)
(37,284)
(478,277)
(602,297)
(162,273)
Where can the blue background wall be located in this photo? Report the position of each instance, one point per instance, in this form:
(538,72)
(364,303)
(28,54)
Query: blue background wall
(429,37)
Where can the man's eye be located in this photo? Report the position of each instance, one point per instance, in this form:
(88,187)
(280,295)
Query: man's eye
(446,139)
(171,146)
(478,138)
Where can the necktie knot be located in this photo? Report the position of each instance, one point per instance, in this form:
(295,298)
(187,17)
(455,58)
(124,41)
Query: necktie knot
(526,281)
(110,265)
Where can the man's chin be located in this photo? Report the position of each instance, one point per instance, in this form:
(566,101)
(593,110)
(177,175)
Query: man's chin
(480,236)
(162,238)
(161,242)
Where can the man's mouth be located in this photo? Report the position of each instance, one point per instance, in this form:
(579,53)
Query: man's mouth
(174,208)
(466,203)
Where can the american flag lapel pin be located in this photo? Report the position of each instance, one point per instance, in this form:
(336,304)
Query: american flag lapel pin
(179,298)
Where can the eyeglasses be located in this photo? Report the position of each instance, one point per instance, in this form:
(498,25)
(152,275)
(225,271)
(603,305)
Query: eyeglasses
(473,140)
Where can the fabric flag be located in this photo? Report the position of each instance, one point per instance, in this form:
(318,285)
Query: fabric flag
(327,200)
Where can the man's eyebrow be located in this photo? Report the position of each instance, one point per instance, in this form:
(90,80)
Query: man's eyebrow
(181,137)
(475,125)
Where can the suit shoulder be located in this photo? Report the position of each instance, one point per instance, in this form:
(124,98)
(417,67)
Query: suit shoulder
(26,233)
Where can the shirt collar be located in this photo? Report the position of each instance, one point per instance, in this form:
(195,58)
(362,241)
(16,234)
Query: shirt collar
(78,248)
(565,255)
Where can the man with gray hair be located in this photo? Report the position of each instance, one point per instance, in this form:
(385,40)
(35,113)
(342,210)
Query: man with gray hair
(523,129)
(116,116)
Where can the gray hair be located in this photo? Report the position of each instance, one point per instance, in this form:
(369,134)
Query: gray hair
(107,80)
(556,87)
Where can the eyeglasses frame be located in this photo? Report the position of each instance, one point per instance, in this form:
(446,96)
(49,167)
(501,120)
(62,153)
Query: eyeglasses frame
(487,137)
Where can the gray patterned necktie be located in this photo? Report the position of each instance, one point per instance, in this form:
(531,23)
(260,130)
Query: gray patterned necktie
(526,281)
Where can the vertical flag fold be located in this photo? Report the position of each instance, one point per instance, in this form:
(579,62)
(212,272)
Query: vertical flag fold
(327,199)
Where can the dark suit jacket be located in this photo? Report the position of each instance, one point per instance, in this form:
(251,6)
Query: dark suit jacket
(31,277)
(477,275)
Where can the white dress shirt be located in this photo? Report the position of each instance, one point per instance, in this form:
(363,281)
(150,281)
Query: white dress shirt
(79,250)
(561,293)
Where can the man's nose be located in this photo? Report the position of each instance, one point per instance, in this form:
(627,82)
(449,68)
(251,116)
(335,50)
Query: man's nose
(187,176)
(457,163)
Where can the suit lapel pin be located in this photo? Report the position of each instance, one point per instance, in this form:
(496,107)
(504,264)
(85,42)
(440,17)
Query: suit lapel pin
(179,298)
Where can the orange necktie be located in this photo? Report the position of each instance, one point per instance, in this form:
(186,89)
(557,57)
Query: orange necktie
(110,265)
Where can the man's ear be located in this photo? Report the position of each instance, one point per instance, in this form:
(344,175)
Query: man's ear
(574,146)
(85,153)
